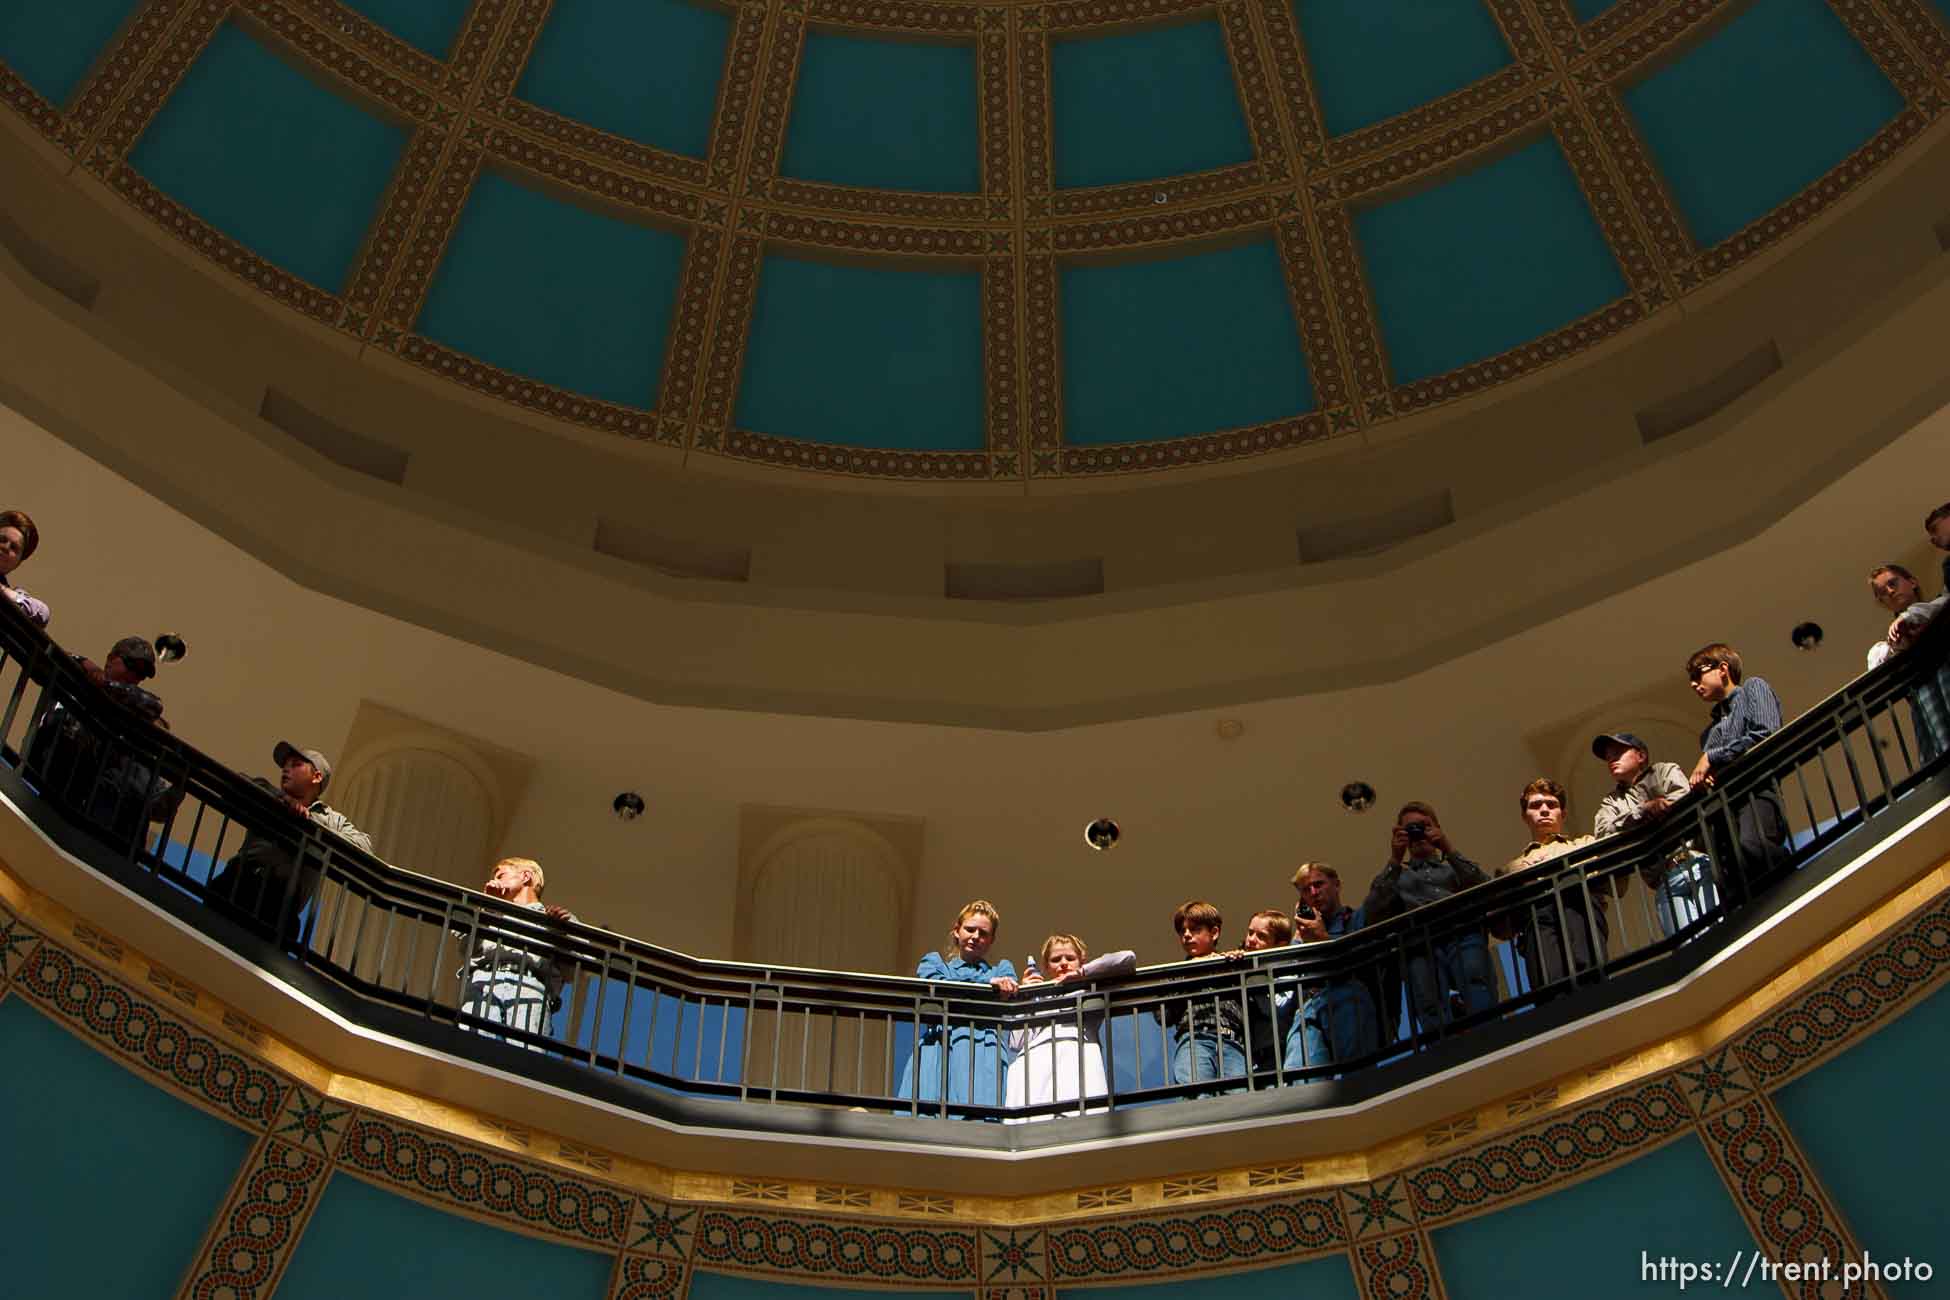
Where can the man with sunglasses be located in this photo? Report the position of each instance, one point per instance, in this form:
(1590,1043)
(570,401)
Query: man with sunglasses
(1745,712)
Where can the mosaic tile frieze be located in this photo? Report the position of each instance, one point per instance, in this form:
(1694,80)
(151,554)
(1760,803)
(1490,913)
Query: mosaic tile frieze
(368,37)
(1651,200)
(446,195)
(529,394)
(1001,367)
(1377,1209)
(1607,200)
(175,51)
(484,1184)
(1476,104)
(259,1224)
(1873,30)
(474,46)
(17,943)
(345,61)
(1226,1237)
(120,65)
(885,1253)
(377,262)
(1900,968)
(1014,1257)
(574,138)
(1439,152)
(1778,1194)
(684,352)
(780,73)
(1927,35)
(643,1277)
(896,16)
(1401,1267)
(995,123)
(1480,376)
(1165,225)
(154,1041)
(1201,449)
(1298,99)
(1508,1167)
(464,109)
(609,185)
(510,54)
(1255,88)
(1794,215)
(1666,27)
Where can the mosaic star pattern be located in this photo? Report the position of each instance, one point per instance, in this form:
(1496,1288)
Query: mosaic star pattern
(731,204)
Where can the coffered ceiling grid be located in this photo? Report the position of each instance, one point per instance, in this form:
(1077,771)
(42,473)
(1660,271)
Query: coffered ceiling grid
(1300,185)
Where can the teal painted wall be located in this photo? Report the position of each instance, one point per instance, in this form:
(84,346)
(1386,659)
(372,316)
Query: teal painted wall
(1372,59)
(647,70)
(367,1240)
(1588,1239)
(865,356)
(1864,1117)
(52,46)
(543,287)
(1179,345)
(103,1177)
(1485,260)
(430,25)
(890,114)
(1140,104)
(270,157)
(1759,111)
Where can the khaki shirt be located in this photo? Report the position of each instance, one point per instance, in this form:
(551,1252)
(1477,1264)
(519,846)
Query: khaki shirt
(1556,846)
(1620,809)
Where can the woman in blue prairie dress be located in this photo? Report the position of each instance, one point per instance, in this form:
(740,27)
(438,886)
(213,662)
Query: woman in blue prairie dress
(970,1054)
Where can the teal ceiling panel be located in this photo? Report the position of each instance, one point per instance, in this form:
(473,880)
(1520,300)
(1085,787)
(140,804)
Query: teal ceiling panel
(1586,10)
(1865,1152)
(1144,104)
(1178,346)
(1328,1278)
(1587,1239)
(52,46)
(647,70)
(270,157)
(394,1246)
(430,25)
(1758,111)
(896,115)
(88,1146)
(1488,259)
(544,288)
(865,356)
(1372,59)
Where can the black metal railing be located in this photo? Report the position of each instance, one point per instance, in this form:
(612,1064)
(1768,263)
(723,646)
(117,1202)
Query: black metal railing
(575,1004)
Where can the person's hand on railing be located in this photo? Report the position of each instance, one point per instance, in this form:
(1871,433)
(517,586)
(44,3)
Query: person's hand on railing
(1004,985)
(557,912)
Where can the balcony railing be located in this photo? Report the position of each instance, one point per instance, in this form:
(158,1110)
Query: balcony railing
(666,1033)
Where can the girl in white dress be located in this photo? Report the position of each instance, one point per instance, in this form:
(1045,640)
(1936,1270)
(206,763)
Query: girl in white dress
(1059,1050)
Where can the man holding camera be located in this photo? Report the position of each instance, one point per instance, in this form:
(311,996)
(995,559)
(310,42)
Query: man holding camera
(1337,1020)
(1424,867)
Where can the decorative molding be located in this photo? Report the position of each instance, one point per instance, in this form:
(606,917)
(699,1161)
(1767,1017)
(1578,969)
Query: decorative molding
(1401,1267)
(886,1253)
(1780,1197)
(251,1241)
(1227,1236)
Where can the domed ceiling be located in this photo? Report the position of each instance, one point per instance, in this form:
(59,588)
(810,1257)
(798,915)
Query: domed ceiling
(937,240)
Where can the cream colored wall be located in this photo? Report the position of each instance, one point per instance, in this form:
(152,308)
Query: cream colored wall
(1003,811)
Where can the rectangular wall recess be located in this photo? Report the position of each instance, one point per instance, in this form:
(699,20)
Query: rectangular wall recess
(340,445)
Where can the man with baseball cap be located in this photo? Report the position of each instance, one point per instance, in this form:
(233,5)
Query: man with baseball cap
(1644,792)
(265,879)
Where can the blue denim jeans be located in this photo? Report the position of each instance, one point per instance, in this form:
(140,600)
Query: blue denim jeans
(1688,892)
(1337,1023)
(1462,963)
(1198,1058)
